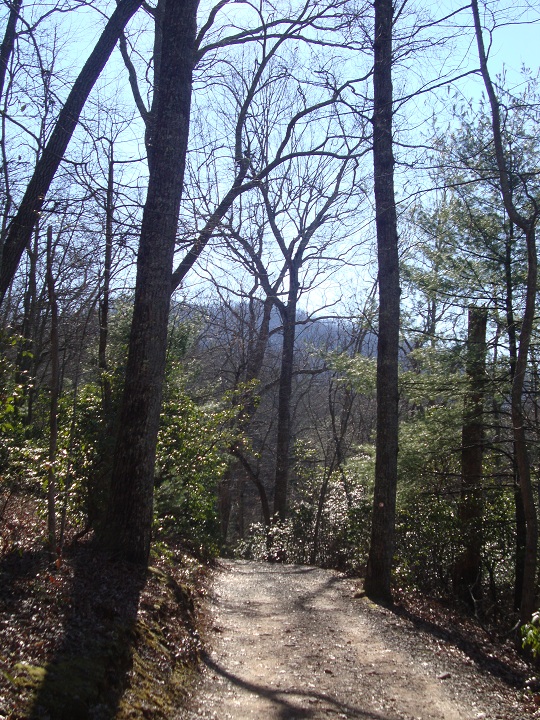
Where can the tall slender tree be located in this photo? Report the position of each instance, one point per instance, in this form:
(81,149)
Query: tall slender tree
(527,223)
(377,583)
(127,529)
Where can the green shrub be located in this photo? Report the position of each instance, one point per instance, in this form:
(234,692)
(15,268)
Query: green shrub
(530,634)
(192,457)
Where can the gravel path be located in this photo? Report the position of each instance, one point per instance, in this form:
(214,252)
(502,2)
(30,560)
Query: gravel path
(297,642)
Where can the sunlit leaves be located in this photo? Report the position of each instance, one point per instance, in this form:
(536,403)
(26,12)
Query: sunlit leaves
(358,370)
(192,458)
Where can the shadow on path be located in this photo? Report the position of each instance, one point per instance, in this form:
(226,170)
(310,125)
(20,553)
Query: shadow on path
(483,658)
(282,699)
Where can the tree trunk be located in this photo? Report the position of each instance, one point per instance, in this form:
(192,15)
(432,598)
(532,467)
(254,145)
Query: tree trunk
(55,390)
(528,226)
(521,529)
(283,442)
(26,360)
(253,476)
(258,343)
(106,392)
(467,572)
(521,542)
(381,549)
(528,593)
(127,530)
(21,227)
(8,43)
(256,351)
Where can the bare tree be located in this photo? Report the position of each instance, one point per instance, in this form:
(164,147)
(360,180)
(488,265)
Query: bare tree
(20,229)
(307,208)
(263,51)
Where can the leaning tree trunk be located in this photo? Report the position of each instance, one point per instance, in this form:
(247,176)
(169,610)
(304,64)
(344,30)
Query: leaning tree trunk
(381,549)
(21,227)
(8,43)
(128,525)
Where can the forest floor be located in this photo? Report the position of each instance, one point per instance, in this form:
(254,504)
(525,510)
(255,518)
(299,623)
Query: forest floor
(300,642)
(84,638)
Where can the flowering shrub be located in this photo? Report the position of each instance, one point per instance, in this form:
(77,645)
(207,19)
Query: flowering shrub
(338,541)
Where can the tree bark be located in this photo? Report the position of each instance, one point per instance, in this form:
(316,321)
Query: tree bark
(8,43)
(22,224)
(467,573)
(55,391)
(283,442)
(379,568)
(127,530)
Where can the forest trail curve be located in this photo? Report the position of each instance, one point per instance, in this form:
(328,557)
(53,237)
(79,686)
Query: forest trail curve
(293,642)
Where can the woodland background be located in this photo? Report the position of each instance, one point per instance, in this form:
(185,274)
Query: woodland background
(268,432)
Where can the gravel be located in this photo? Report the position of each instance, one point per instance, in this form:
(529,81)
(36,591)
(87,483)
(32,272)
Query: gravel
(300,642)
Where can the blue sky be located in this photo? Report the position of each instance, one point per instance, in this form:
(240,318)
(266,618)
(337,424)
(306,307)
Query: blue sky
(517,45)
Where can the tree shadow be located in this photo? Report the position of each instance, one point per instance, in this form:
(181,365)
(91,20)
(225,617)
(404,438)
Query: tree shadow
(283,699)
(305,602)
(87,673)
(484,658)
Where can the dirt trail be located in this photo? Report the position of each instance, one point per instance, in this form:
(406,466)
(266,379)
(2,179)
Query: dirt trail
(294,642)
